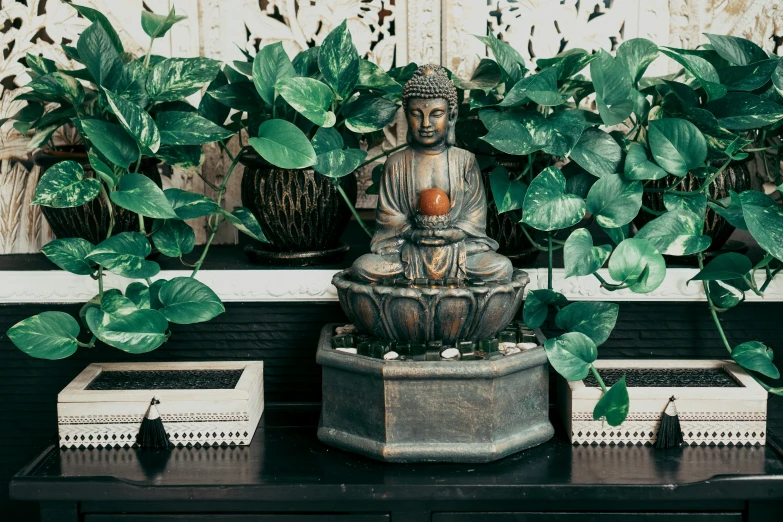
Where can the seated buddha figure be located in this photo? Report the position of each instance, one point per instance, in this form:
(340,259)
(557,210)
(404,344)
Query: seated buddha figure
(439,238)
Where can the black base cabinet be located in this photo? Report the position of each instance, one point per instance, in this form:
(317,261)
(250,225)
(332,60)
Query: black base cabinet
(287,475)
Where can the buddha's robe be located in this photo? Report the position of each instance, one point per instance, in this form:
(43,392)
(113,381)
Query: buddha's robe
(394,255)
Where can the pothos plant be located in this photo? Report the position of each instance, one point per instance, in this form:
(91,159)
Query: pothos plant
(673,129)
(125,108)
(316,110)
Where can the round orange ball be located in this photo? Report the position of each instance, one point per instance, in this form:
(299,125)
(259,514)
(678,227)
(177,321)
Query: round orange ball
(434,202)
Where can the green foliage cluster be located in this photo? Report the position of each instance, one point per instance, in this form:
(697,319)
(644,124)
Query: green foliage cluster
(724,105)
(327,106)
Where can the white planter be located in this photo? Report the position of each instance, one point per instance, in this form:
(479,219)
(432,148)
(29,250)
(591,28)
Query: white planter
(109,418)
(728,415)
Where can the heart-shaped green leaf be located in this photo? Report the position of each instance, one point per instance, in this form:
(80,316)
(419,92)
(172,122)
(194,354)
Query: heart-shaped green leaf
(486,77)
(70,254)
(695,202)
(567,63)
(55,87)
(676,233)
(310,98)
(703,70)
(754,356)
(509,194)
(730,209)
(156,25)
(246,222)
(139,295)
(724,297)
(176,78)
(338,61)
(677,145)
(117,305)
(614,201)
(745,111)
(173,238)
(725,267)
(636,55)
(738,51)
(338,163)
(141,195)
(617,235)
(187,128)
(124,254)
(135,121)
(508,58)
(639,167)
(512,138)
(764,219)
(188,205)
(187,301)
(326,140)
(614,404)
(597,153)
(48,335)
(560,131)
(613,83)
(580,257)
(571,355)
(547,206)
(636,261)
(595,320)
(374,77)
(103,171)
(270,65)
(748,77)
(541,88)
(139,332)
(94,15)
(369,113)
(97,52)
(112,141)
(242,96)
(537,303)
(282,144)
(63,185)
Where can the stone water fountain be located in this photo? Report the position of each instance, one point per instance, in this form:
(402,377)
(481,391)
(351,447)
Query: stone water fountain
(430,370)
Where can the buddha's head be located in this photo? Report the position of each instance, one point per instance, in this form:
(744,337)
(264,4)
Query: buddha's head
(430,102)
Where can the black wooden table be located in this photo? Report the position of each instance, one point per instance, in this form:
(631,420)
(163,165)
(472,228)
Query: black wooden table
(287,475)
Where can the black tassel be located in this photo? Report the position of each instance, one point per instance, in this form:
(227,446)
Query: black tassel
(670,432)
(152,434)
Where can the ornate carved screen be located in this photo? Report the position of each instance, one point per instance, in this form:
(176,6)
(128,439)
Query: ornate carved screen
(386,31)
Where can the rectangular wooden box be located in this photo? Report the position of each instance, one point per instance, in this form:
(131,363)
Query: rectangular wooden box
(736,415)
(108,418)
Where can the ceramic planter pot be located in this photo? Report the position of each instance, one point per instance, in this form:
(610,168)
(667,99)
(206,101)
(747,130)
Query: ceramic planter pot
(91,220)
(736,177)
(300,211)
(505,228)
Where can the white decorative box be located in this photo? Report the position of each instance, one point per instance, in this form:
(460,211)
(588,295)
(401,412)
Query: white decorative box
(708,414)
(101,417)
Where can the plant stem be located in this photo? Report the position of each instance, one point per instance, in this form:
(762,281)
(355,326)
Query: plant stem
(353,209)
(536,245)
(379,156)
(769,279)
(713,313)
(598,378)
(651,211)
(549,264)
(110,210)
(149,54)
(100,282)
(761,149)
(717,173)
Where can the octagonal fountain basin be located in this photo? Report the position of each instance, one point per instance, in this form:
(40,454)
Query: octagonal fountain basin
(433,411)
(432,310)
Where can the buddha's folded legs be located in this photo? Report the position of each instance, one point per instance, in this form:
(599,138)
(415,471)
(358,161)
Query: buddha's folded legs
(489,266)
(375,267)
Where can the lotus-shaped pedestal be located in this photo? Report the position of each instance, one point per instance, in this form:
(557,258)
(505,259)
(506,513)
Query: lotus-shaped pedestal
(422,312)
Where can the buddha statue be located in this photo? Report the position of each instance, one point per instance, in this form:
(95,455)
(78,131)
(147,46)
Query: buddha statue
(432,209)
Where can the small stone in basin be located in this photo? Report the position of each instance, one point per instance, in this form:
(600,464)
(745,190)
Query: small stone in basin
(390,356)
(527,346)
(450,353)
(347,350)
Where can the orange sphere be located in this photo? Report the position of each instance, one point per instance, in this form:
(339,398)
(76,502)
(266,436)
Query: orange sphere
(434,202)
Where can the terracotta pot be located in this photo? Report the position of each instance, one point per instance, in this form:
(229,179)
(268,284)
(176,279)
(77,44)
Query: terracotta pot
(736,177)
(91,220)
(299,210)
(505,228)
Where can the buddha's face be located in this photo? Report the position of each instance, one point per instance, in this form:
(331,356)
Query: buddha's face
(428,121)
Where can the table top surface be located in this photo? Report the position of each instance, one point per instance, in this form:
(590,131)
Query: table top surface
(286,461)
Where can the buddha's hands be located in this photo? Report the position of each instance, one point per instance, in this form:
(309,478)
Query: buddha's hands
(437,237)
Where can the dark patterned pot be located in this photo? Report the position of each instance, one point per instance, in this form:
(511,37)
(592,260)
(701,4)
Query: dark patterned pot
(736,177)
(299,210)
(505,228)
(91,220)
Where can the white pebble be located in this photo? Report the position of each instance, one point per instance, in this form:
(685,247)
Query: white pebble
(349,328)
(512,351)
(347,350)
(449,353)
(339,330)
(390,356)
(526,346)
(508,345)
